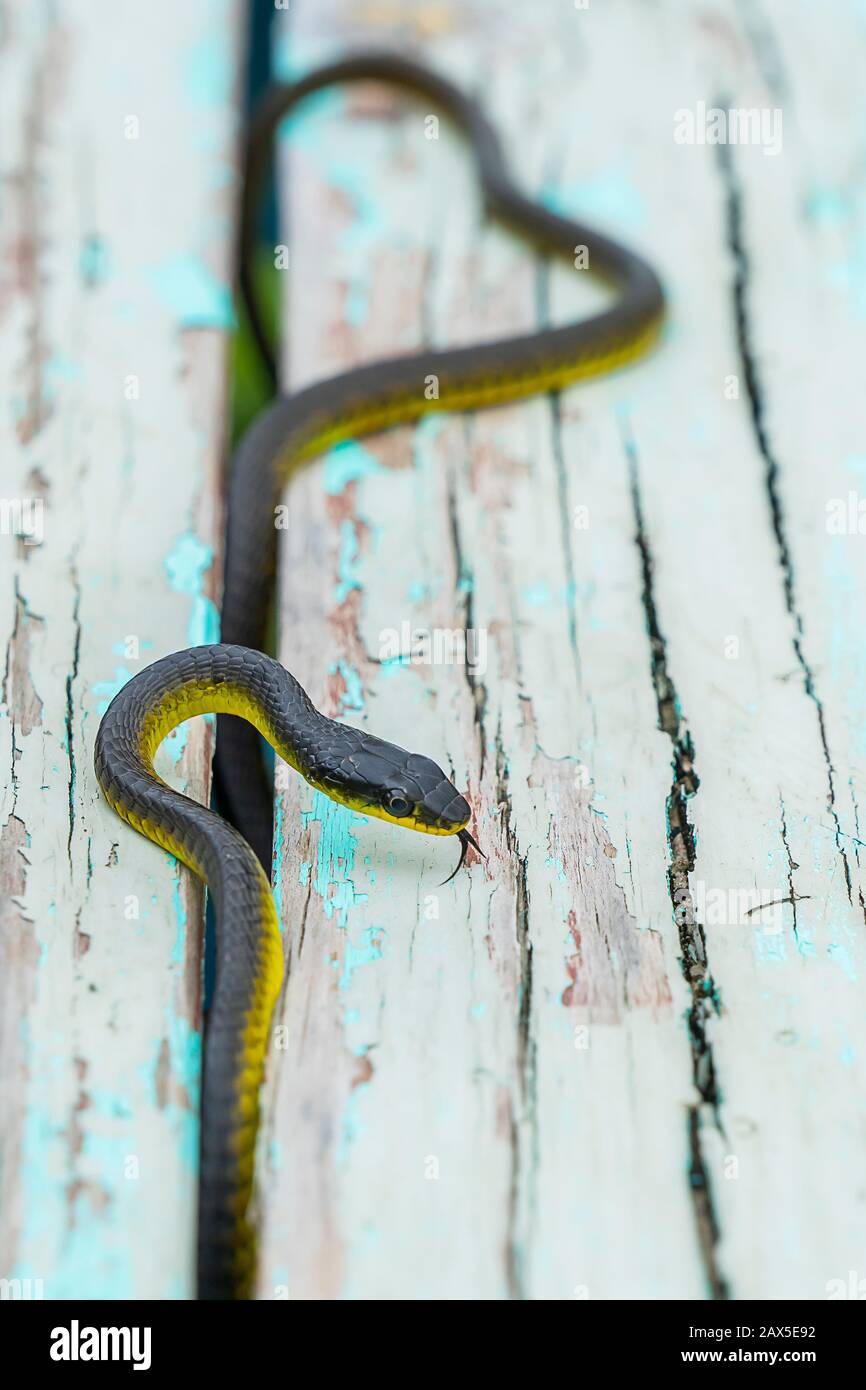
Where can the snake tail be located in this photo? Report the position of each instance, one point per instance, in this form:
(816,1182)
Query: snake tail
(351,766)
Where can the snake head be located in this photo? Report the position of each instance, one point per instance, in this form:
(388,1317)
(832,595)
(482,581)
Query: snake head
(383,780)
(420,795)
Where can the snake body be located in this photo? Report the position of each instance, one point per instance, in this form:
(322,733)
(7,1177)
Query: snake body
(349,765)
(252,694)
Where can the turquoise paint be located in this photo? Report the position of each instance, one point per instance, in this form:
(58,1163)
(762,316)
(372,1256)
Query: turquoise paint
(184,1056)
(94,261)
(826,207)
(366,231)
(109,1105)
(856,465)
(352,1128)
(352,697)
(558,865)
(58,369)
(608,197)
(347,463)
(91,1268)
(291,56)
(390,665)
(193,295)
(842,214)
(839,954)
(805,945)
(368,951)
(304,131)
(277,859)
(847,1054)
(770,948)
(335,856)
(175,743)
(108,689)
(186,566)
(361,238)
(356,304)
(208,70)
(179,949)
(348,559)
(95,1257)
(304,873)
(426,432)
(538,595)
(42,1148)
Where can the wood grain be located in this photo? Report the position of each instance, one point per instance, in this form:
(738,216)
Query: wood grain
(119,191)
(596,1066)
(625,1056)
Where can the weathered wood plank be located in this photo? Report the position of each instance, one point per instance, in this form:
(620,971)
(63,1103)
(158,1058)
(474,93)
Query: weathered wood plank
(118,126)
(585,1069)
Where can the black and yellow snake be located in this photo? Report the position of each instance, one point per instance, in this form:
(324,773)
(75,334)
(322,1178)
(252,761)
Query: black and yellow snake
(235,679)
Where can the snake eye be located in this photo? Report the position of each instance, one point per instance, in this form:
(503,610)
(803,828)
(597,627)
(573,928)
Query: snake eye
(397,804)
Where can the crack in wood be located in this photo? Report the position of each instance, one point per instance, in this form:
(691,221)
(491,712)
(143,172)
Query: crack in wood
(69,719)
(681,844)
(762,40)
(526,1046)
(793,896)
(463,583)
(772,471)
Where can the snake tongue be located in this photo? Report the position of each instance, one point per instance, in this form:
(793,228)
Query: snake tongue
(465,841)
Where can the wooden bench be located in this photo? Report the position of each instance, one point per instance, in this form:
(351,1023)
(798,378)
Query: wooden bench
(625,1057)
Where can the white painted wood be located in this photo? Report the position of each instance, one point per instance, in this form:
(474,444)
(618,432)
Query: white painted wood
(511,1086)
(530,1094)
(117,133)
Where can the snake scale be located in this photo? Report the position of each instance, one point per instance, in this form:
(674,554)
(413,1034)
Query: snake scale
(254,695)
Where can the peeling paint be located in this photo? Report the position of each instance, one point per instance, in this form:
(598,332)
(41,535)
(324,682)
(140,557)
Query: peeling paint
(186,566)
(191,292)
(335,856)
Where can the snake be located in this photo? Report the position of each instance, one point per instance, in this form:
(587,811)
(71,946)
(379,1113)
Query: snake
(254,696)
